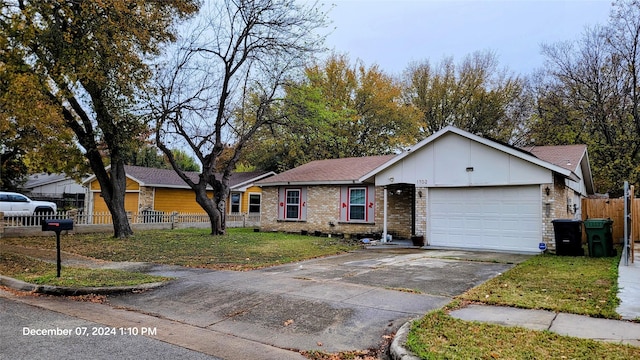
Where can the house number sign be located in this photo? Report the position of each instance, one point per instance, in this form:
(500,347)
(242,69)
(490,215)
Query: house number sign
(422,182)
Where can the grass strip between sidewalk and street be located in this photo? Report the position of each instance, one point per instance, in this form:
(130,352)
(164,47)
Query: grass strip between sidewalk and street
(440,336)
(39,272)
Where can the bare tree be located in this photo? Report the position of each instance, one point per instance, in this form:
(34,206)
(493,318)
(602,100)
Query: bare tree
(223,84)
(586,95)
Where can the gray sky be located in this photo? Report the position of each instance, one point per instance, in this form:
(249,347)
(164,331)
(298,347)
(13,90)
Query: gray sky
(393,33)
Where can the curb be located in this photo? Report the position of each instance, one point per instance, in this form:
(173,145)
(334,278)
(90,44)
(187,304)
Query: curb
(397,351)
(74,291)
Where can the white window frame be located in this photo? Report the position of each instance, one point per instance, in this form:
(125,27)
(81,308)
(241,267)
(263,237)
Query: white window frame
(287,204)
(363,205)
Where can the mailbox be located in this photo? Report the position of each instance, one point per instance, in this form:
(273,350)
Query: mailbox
(57,225)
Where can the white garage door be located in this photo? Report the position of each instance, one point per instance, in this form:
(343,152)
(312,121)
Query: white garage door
(491,218)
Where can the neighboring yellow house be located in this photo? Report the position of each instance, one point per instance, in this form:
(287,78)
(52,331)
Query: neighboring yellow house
(163,190)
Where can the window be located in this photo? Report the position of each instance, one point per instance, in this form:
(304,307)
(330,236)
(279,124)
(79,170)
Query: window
(357,203)
(254,203)
(292,204)
(235,202)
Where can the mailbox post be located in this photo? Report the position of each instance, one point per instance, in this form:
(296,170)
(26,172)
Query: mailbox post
(57,225)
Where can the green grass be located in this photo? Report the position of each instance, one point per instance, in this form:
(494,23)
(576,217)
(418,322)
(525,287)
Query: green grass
(577,285)
(239,249)
(43,273)
(439,336)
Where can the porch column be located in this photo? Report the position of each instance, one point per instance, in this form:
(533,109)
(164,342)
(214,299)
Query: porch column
(384,215)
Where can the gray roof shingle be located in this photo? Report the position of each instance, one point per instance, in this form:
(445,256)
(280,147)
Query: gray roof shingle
(169,178)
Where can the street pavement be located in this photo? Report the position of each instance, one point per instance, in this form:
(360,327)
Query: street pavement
(71,337)
(347,302)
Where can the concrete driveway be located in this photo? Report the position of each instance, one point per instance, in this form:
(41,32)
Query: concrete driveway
(339,303)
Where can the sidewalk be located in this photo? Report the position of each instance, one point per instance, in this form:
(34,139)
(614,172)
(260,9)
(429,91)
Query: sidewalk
(585,327)
(618,331)
(629,284)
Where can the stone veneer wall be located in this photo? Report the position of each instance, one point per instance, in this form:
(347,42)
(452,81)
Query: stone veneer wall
(323,213)
(145,198)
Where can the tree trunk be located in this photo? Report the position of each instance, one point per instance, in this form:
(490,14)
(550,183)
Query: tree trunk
(216,217)
(113,189)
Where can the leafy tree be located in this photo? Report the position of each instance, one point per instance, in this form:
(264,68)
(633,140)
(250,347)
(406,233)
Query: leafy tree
(31,137)
(589,94)
(147,156)
(88,59)
(474,95)
(183,161)
(222,85)
(338,110)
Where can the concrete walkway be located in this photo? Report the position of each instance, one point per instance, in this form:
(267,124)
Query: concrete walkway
(585,327)
(618,331)
(629,284)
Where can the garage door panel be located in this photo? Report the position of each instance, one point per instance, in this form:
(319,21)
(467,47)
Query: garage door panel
(495,218)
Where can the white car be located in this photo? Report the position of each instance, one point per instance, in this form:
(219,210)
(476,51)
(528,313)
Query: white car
(14,204)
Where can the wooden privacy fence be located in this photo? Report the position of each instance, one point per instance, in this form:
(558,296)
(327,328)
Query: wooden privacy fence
(613,209)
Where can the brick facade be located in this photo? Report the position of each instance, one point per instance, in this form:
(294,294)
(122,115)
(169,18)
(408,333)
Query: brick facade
(323,213)
(399,211)
(555,205)
(421,206)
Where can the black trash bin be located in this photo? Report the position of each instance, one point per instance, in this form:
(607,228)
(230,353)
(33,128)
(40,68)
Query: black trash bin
(568,234)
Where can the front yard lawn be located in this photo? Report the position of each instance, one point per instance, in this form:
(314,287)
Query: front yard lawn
(579,285)
(239,249)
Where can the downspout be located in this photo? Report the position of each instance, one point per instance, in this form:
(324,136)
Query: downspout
(384,216)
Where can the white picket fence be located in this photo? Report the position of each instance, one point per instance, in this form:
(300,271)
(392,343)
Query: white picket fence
(145,217)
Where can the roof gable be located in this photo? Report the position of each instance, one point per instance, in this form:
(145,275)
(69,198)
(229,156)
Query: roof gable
(511,151)
(329,171)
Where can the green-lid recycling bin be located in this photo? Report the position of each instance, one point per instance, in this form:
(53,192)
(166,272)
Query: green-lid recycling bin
(568,234)
(600,237)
